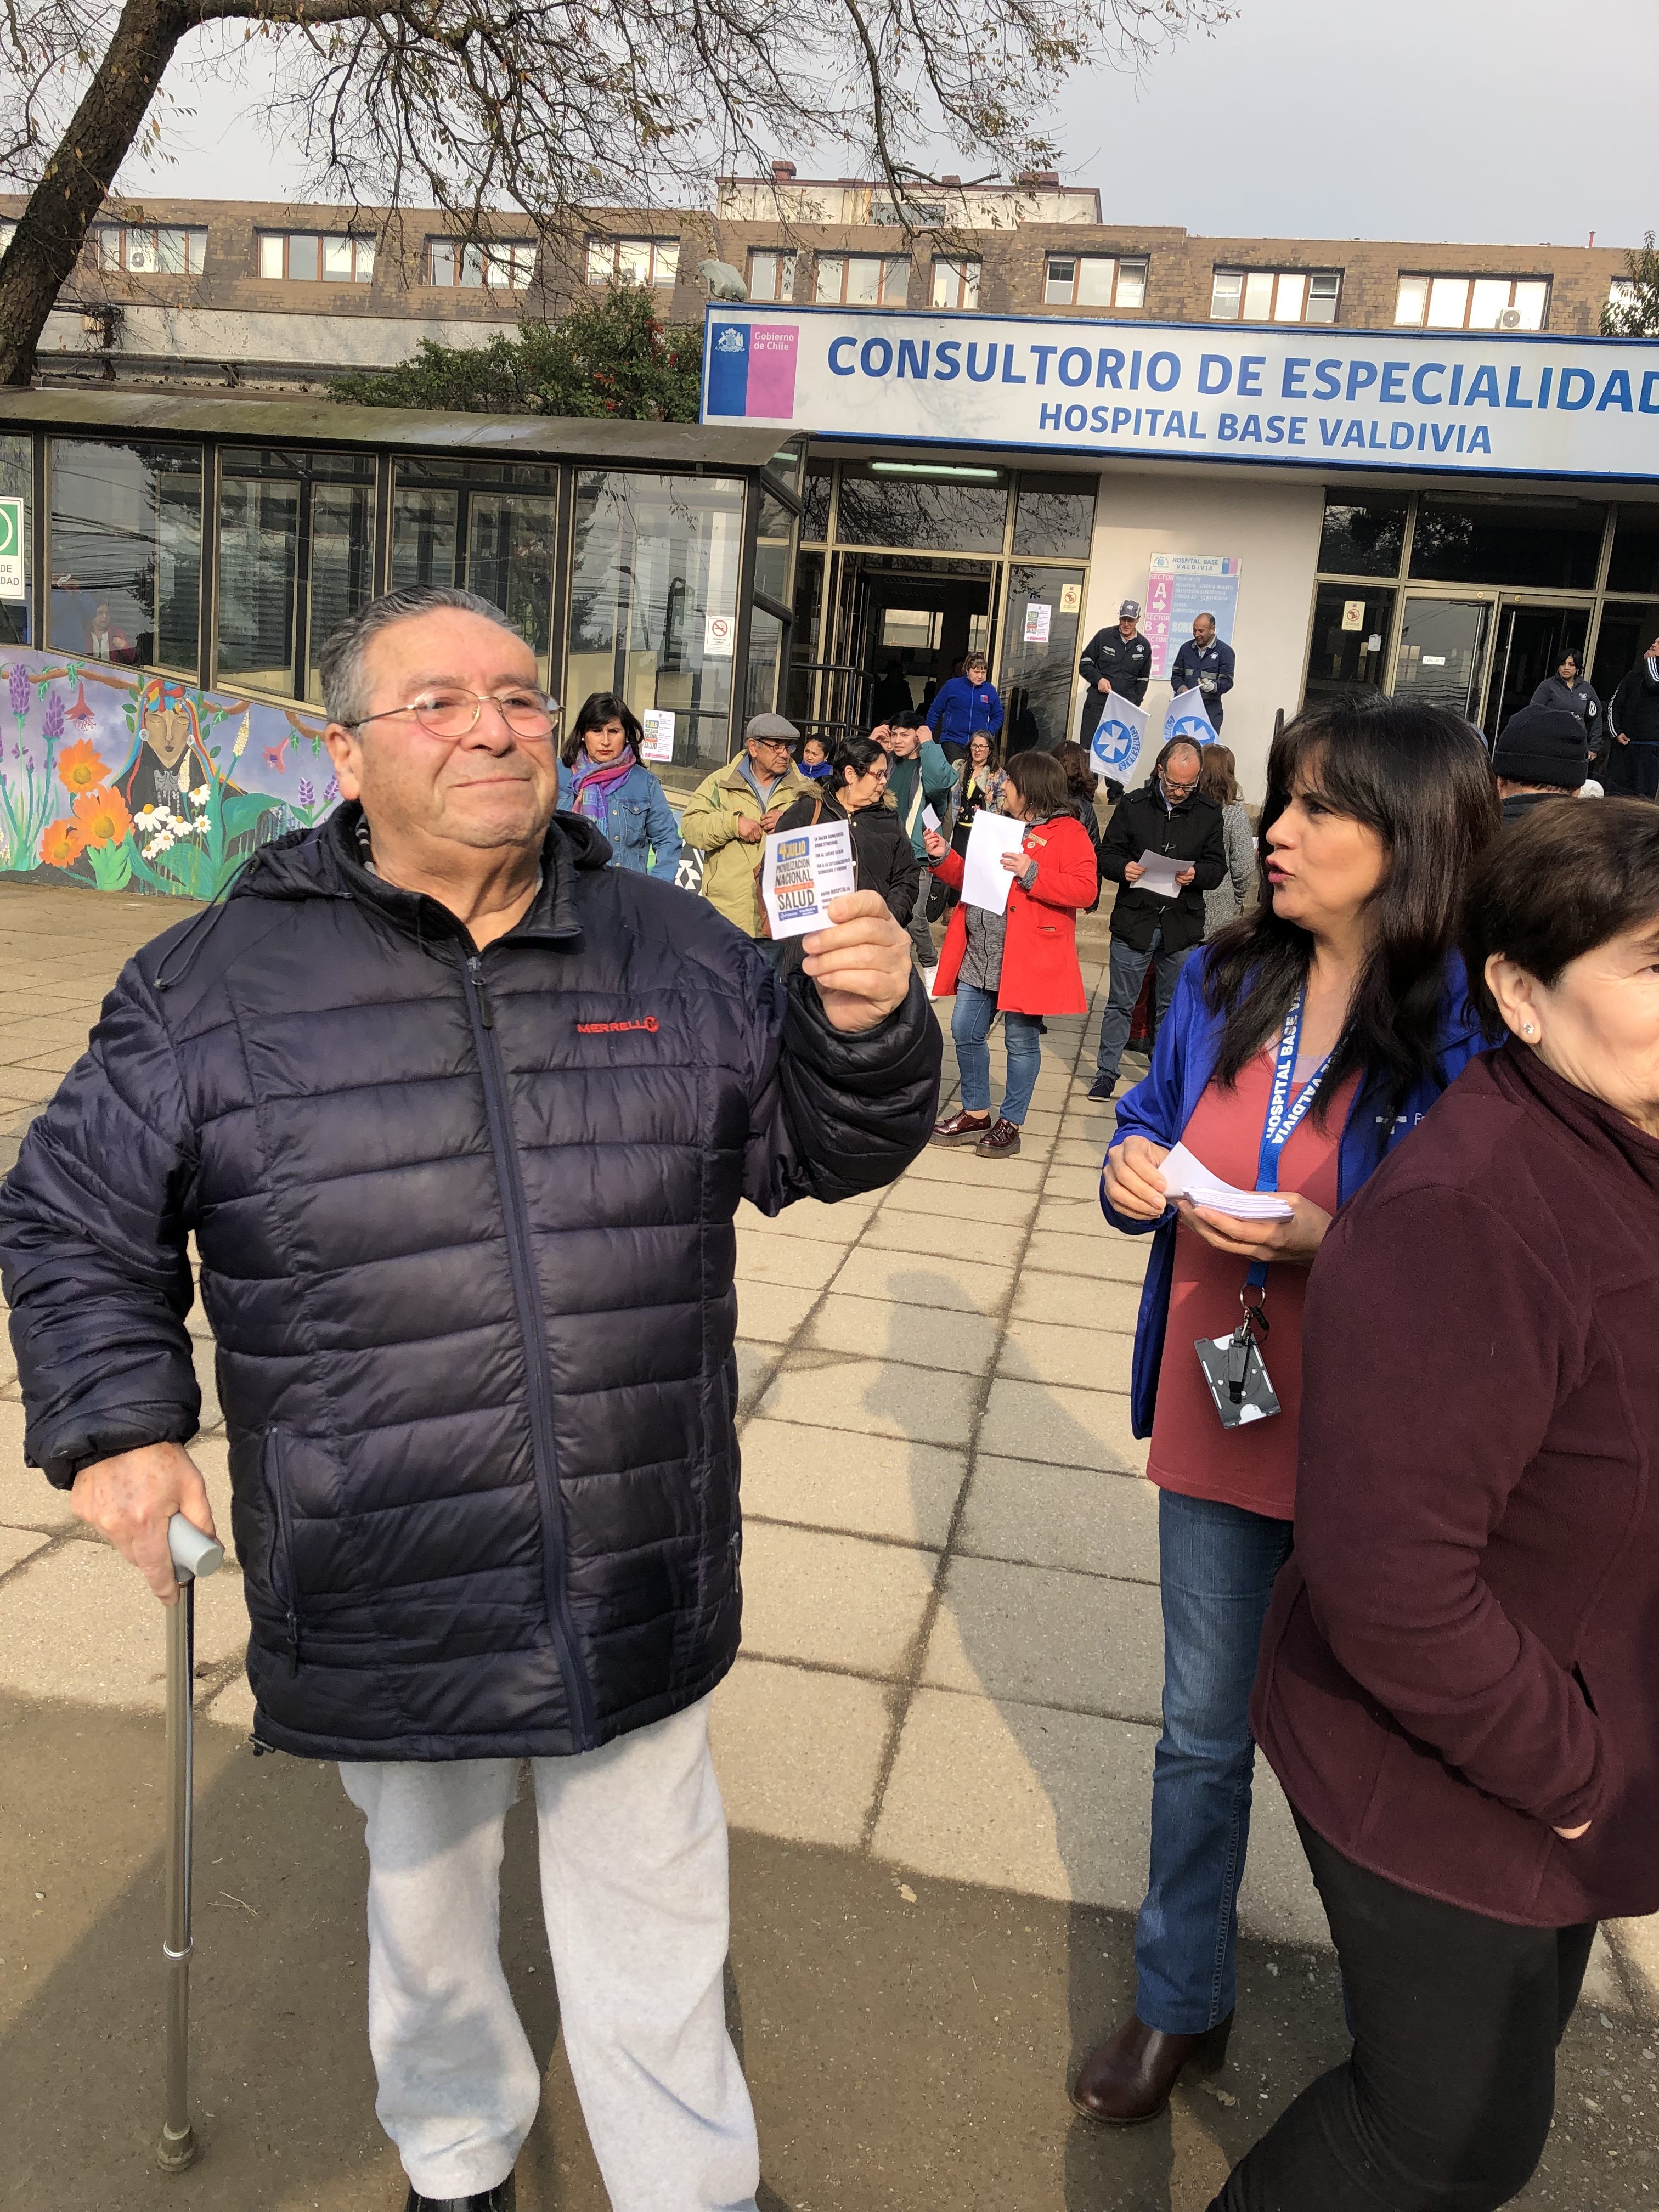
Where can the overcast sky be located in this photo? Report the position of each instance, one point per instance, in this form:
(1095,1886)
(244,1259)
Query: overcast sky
(1480,120)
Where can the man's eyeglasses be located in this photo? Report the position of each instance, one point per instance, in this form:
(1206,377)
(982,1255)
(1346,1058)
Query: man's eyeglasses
(452,711)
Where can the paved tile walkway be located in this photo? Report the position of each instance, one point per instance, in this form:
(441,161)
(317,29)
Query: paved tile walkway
(952,1653)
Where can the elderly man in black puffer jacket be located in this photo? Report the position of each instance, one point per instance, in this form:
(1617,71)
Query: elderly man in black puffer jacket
(459,1118)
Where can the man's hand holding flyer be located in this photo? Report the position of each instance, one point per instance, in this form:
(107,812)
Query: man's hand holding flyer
(802,872)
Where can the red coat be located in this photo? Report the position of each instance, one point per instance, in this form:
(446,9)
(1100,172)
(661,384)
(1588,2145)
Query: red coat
(1040,973)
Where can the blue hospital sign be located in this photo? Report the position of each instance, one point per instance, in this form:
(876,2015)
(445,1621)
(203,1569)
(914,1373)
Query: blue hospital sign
(1466,403)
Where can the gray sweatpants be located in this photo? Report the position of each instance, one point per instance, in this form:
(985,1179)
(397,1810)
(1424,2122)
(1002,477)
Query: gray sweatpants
(634,1891)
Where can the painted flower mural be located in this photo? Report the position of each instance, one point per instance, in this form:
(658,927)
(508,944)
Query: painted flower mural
(169,788)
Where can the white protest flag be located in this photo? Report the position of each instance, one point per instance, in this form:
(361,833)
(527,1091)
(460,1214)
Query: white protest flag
(1189,718)
(1119,736)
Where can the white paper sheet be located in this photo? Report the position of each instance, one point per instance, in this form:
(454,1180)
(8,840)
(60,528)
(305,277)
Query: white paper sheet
(1162,869)
(803,870)
(1186,1177)
(929,819)
(985,882)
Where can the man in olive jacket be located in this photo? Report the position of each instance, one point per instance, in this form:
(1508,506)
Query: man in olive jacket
(728,816)
(1166,815)
(459,1118)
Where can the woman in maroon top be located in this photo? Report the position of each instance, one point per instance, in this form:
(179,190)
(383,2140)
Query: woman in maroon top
(1458,1674)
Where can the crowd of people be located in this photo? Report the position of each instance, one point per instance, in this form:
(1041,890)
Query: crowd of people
(461,1072)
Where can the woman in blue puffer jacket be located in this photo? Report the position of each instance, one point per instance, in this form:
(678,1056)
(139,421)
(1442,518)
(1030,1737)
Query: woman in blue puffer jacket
(603,779)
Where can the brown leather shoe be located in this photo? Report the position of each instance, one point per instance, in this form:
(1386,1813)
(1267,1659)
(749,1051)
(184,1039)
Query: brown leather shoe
(1129,2077)
(1000,1142)
(960,1128)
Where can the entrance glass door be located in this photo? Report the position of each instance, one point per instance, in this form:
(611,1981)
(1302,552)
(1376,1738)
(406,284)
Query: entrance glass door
(902,621)
(1442,652)
(1039,656)
(1527,646)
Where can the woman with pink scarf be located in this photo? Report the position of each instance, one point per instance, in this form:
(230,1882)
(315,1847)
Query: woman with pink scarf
(602,778)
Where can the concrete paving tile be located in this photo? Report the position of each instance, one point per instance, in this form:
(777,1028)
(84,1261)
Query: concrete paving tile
(1090,1359)
(1076,1214)
(206,1381)
(1048,1637)
(1021,1797)
(28,1500)
(233,1707)
(1604,1985)
(1277,1900)
(929,1336)
(829,1601)
(1636,1946)
(798,1753)
(957,1164)
(925,1279)
(17,1545)
(1069,1153)
(754,1360)
(951,1231)
(993,1202)
(770,1313)
(118,1655)
(803,1263)
(1052,1516)
(1107,1253)
(868,1485)
(212,1458)
(842,1224)
(1061,1427)
(875,1397)
(1063,1298)
(1068,1180)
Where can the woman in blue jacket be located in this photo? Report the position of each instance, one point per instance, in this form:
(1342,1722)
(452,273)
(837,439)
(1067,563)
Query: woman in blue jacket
(967,702)
(1302,1043)
(602,778)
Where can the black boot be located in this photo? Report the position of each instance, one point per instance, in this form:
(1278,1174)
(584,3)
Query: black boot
(500,2198)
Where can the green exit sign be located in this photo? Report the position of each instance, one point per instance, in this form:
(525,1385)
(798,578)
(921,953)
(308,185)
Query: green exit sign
(13,525)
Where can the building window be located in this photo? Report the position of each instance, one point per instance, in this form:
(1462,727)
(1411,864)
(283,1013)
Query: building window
(1472,303)
(125,553)
(144,249)
(633,260)
(508,267)
(771,277)
(1276,295)
(305,258)
(955,284)
(1093,280)
(296,547)
(863,280)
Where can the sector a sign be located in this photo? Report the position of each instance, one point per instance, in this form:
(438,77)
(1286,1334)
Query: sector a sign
(1462,402)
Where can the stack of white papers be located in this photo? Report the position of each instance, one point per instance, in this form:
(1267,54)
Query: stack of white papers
(1187,1178)
(1162,869)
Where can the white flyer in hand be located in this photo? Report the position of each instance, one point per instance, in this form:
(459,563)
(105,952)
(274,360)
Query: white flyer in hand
(985,881)
(1186,1177)
(1161,871)
(802,872)
(930,820)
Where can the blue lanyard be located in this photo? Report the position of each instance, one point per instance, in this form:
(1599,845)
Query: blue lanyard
(1285,1115)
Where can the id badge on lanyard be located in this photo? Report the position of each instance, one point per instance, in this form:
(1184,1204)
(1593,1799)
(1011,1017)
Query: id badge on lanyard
(1233,1365)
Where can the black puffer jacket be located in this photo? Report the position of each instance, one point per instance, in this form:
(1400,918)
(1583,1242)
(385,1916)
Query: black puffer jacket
(465,1227)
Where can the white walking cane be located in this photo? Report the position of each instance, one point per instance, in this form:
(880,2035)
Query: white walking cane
(193,1555)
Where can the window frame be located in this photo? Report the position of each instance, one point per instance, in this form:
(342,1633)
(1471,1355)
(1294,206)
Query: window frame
(1119,264)
(356,239)
(886,263)
(657,248)
(786,265)
(488,250)
(963,274)
(1428,278)
(100,238)
(1308,278)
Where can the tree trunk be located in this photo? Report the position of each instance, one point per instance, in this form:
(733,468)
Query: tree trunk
(53,228)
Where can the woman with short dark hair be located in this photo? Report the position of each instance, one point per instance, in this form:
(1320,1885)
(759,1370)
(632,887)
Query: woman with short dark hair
(883,856)
(1022,963)
(1301,1045)
(1457,1676)
(602,778)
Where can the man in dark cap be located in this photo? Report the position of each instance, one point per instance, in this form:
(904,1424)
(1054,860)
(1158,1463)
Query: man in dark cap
(1117,659)
(1542,752)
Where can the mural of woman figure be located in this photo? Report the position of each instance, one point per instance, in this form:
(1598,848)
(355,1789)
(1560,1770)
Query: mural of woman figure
(170,761)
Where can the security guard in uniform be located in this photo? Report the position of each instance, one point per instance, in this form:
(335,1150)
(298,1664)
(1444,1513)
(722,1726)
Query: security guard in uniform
(1118,659)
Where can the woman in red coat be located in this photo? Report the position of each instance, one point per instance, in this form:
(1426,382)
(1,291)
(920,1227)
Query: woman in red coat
(1021,964)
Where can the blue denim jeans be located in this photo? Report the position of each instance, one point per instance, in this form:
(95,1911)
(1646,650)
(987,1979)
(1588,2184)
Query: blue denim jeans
(1128,974)
(1217,1564)
(970,1025)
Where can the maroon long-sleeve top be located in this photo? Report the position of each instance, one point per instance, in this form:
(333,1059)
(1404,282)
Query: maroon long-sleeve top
(1462,1654)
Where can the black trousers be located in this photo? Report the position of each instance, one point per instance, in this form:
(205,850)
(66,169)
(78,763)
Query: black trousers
(1444,2104)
